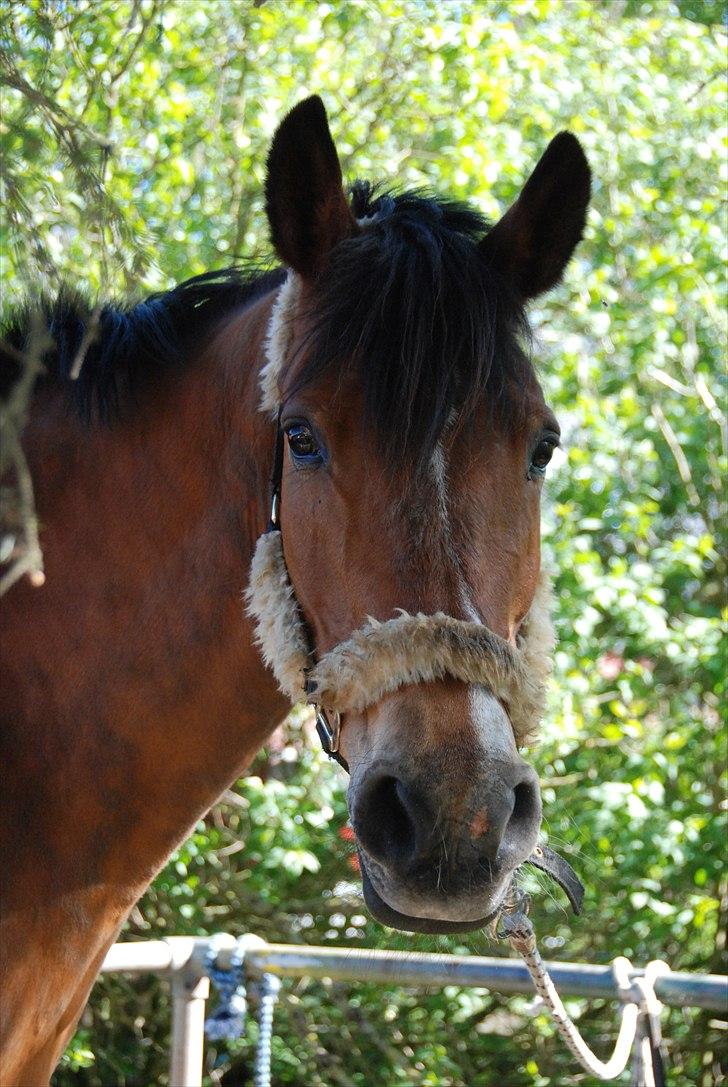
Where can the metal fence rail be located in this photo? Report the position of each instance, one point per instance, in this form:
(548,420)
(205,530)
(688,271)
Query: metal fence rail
(182,960)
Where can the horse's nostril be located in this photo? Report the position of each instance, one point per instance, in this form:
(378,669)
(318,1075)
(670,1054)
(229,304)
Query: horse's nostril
(521,829)
(527,805)
(386,821)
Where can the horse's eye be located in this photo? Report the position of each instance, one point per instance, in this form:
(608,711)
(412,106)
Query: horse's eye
(302,444)
(541,455)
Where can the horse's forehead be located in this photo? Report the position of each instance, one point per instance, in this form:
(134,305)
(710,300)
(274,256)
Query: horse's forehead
(476,451)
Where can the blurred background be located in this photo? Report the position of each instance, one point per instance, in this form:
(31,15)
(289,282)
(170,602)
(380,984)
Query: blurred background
(134,137)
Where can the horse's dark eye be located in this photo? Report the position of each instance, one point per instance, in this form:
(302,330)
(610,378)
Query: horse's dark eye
(302,444)
(541,455)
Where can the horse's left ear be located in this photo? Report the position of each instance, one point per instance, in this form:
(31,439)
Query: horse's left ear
(307,209)
(534,240)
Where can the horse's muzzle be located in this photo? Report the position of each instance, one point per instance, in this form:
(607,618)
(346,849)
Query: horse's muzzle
(432,861)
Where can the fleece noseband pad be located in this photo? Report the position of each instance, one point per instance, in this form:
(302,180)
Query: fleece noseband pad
(380,657)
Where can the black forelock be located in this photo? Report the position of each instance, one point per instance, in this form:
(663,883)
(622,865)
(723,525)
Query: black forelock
(429,327)
(132,343)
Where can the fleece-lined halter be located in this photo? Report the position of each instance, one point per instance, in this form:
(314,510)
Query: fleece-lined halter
(379,657)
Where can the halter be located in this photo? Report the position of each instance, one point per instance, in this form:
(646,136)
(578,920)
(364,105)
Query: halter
(380,657)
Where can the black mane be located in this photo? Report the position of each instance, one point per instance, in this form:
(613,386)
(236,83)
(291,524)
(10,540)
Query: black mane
(431,329)
(410,302)
(132,343)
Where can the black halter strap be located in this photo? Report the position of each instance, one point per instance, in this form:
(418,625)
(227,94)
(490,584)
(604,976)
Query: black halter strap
(276,476)
(328,734)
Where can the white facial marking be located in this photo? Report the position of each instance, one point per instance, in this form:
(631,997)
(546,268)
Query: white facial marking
(466,603)
(491,724)
(439,471)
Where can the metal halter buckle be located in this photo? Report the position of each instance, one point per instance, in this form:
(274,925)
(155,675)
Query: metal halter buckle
(329,731)
(274,507)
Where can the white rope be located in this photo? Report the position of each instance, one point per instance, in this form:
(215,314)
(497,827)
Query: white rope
(637,1000)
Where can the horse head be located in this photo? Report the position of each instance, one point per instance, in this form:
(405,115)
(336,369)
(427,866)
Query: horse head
(400,589)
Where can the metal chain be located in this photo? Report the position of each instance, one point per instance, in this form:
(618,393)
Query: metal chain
(639,1003)
(269,988)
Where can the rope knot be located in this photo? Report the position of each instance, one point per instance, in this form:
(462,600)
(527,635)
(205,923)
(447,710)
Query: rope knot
(518,930)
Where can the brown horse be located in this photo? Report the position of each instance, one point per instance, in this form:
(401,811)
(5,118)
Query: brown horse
(413,441)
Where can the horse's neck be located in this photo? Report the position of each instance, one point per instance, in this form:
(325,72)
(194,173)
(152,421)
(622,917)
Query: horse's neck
(135,692)
(132,692)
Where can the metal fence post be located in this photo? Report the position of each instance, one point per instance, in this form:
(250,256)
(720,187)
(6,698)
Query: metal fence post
(189,993)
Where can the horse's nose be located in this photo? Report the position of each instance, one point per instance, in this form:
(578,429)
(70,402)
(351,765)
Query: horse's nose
(399,824)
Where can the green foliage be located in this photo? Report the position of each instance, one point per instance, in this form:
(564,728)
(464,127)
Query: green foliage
(134,137)
(710,12)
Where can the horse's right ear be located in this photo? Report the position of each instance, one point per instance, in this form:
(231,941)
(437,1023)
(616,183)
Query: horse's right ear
(532,243)
(307,209)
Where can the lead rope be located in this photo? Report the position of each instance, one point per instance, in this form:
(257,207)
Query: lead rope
(639,1023)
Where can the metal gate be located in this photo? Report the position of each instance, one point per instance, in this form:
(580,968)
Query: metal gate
(182,959)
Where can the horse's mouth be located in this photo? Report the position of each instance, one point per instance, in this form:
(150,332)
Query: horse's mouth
(384,913)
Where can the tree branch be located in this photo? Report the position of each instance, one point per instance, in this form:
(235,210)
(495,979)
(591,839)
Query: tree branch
(676,449)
